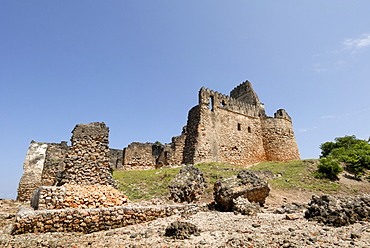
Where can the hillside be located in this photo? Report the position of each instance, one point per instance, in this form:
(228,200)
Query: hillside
(292,181)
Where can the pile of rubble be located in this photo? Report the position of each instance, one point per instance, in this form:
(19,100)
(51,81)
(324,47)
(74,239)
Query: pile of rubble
(77,196)
(92,196)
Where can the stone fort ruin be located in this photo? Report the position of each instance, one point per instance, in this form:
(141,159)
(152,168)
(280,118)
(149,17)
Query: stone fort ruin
(232,129)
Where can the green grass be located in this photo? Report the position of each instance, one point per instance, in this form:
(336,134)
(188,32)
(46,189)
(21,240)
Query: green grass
(297,174)
(148,184)
(145,184)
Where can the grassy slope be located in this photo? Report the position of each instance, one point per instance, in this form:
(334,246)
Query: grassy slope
(150,184)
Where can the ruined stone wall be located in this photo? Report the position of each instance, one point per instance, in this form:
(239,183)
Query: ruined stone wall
(93,220)
(191,152)
(54,163)
(144,156)
(175,153)
(32,170)
(87,161)
(115,158)
(239,138)
(236,130)
(245,93)
(279,139)
(140,156)
(48,197)
(224,130)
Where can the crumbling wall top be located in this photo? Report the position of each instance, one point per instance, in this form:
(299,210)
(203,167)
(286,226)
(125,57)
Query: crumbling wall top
(214,99)
(282,114)
(94,129)
(245,93)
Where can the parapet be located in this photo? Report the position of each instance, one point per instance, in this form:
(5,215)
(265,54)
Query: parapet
(213,100)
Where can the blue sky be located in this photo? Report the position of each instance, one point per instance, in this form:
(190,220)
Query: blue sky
(138,65)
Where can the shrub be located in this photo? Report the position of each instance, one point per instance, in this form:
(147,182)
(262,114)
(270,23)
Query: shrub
(328,168)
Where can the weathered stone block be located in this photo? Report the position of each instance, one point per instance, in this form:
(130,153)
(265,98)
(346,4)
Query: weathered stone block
(188,185)
(245,184)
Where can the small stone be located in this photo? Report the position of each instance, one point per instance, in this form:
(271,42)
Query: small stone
(355,235)
(290,217)
(134,235)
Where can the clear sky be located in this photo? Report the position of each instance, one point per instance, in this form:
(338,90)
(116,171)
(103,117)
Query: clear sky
(138,66)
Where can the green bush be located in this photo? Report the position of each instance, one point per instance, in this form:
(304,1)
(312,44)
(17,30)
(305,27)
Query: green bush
(328,168)
(355,153)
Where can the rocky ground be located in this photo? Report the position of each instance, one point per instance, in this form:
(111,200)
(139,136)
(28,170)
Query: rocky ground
(275,227)
(216,229)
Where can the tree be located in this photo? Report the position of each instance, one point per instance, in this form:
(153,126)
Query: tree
(355,153)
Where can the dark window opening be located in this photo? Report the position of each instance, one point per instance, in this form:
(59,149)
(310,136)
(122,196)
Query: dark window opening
(222,104)
(249,130)
(239,126)
(211,102)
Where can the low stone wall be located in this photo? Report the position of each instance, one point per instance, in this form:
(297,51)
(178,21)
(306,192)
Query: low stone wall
(93,220)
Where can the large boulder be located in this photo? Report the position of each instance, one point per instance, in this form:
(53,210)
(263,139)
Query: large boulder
(188,185)
(338,211)
(245,184)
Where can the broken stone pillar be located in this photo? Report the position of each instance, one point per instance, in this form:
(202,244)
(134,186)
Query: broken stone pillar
(32,170)
(87,161)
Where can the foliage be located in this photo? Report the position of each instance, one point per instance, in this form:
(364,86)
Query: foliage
(355,153)
(158,143)
(328,168)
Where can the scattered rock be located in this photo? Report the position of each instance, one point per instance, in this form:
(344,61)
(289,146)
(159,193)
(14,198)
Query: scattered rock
(265,174)
(338,211)
(243,206)
(188,185)
(290,217)
(245,184)
(181,230)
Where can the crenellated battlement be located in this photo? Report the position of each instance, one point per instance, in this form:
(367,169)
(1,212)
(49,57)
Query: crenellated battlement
(214,99)
(245,93)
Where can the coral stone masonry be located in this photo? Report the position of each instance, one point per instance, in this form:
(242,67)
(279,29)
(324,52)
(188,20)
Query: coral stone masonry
(236,130)
(232,129)
(87,161)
